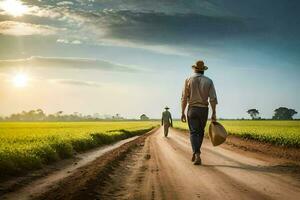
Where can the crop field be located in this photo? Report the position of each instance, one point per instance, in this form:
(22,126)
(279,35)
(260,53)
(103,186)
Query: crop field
(25,146)
(284,133)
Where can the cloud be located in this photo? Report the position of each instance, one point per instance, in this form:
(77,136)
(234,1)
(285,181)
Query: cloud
(163,27)
(76,82)
(23,29)
(157,48)
(166,27)
(207,7)
(67,63)
(175,29)
(64,3)
(66,41)
(76,42)
(161,32)
(46,11)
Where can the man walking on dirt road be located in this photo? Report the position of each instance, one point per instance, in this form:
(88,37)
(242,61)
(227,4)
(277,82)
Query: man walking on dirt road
(166,120)
(198,89)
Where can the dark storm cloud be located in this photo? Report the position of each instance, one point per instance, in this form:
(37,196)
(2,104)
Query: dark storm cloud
(193,23)
(178,29)
(205,7)
(71,63)
(156,21)
(160,28)
(173,23)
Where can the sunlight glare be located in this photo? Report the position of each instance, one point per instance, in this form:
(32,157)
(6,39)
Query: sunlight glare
(20,80)
(15,8)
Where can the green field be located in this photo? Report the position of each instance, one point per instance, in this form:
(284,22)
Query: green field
(26,146)
(284,133)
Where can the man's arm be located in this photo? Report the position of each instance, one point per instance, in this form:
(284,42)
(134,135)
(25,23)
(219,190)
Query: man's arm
(162,119)
(184,100)
(171,120)
(213,101)
(183,107)
(214,113)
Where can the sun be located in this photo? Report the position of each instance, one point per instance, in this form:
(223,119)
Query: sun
(20,80)
(15,8)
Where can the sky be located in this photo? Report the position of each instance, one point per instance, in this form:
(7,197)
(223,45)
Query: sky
(132,57)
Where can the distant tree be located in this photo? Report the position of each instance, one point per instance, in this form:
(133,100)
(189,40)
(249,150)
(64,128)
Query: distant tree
(107,117)
(117,117)
(96,116)
(284,113)
(144,117)
(59,113)
(51,117)
(58,116)
(30,116)
(40,115)
(254,113)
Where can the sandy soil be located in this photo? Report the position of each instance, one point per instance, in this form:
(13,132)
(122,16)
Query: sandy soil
(163,170)
(155,167)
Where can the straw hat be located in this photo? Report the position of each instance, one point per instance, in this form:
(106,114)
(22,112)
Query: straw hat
(217,133)
(200,66)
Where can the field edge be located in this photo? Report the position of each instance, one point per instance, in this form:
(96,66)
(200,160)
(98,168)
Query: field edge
(291,154)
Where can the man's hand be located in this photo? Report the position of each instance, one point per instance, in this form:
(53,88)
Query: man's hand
(183,117)
(214,117)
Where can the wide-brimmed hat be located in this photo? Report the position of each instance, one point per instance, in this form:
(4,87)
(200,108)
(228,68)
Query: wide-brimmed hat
(217,133)
(167,108)
(200,66)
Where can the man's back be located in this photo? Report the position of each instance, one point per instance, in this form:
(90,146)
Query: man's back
(166,117)
(198,88)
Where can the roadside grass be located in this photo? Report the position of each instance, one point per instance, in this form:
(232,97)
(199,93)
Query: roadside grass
(30,145)
(281,133)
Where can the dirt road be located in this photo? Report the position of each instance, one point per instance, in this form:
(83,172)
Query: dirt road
(162,170)
(155,167)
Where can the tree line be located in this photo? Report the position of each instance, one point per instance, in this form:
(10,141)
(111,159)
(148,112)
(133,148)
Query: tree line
(40,115)
(281,113)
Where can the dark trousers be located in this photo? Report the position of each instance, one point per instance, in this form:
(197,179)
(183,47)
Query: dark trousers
(197,118)
(166,129)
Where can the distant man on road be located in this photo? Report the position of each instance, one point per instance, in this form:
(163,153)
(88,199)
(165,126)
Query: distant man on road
(198,89)
(166,120)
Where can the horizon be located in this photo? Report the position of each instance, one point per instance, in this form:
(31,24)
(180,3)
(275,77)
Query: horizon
(117,117)
(132,57)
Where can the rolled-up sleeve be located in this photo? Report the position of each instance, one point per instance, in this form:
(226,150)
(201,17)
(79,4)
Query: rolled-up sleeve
(212,94)
(185,93)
